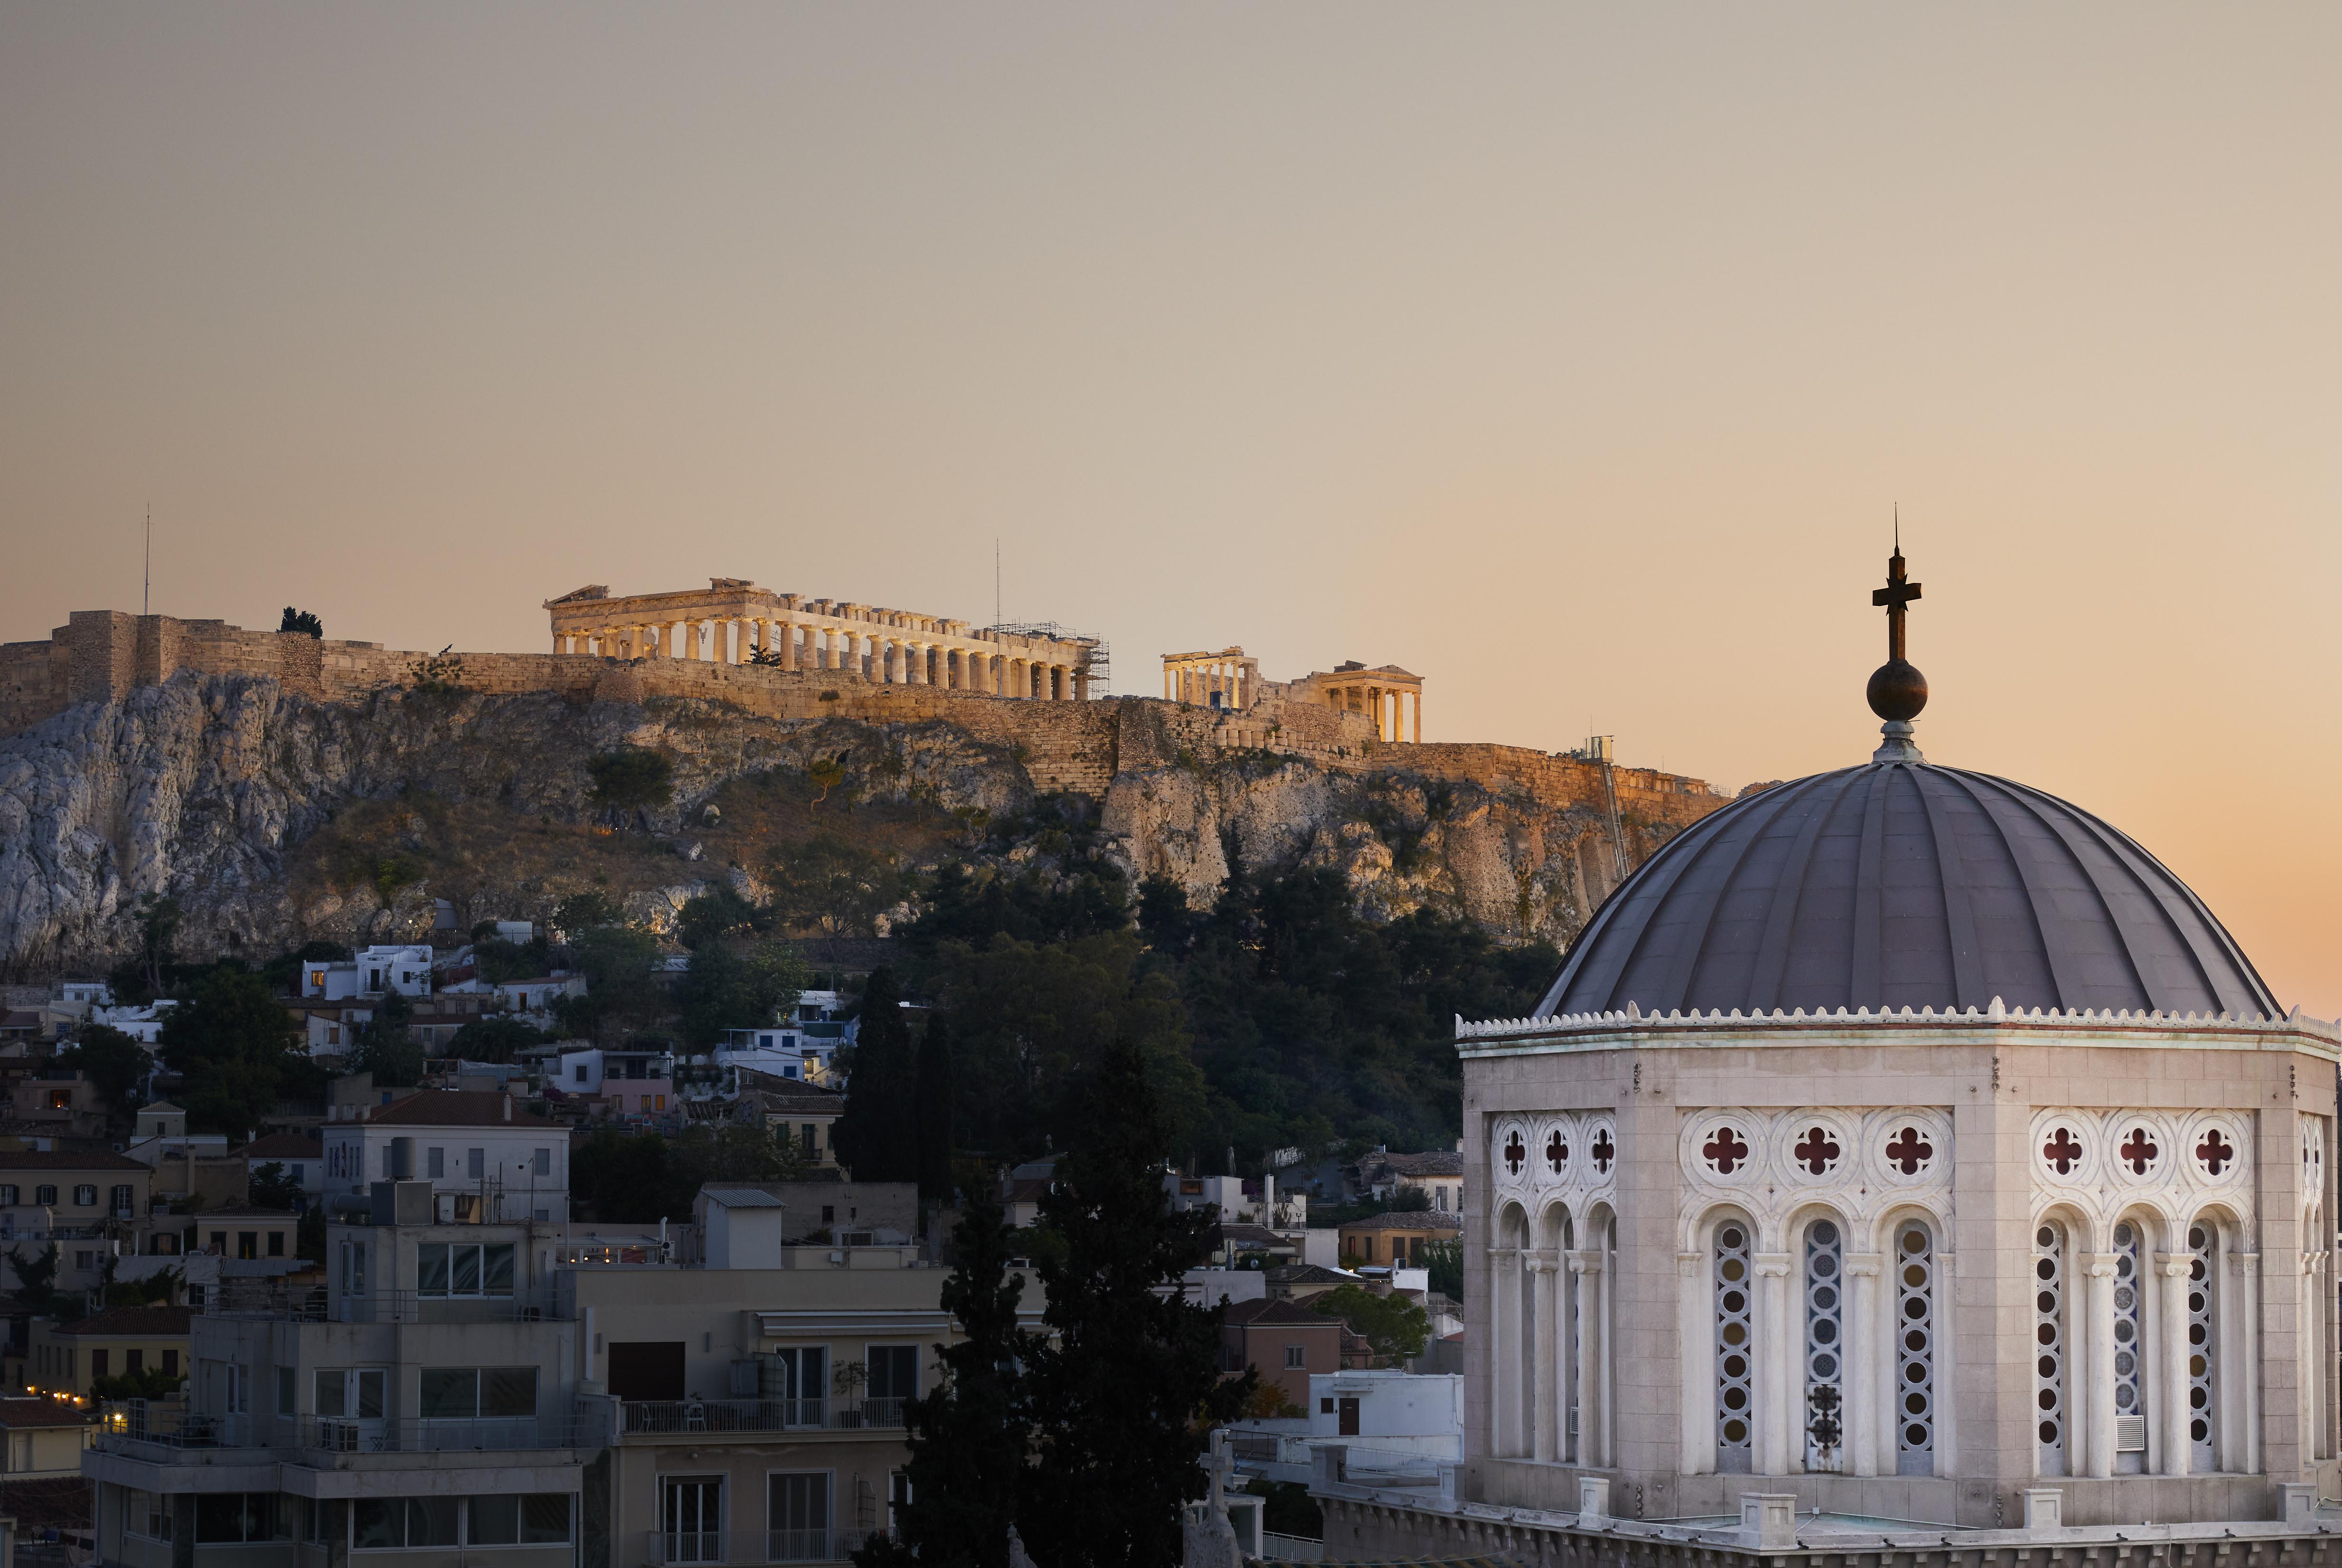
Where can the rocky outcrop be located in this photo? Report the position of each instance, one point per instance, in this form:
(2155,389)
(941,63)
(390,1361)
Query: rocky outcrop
(274,817)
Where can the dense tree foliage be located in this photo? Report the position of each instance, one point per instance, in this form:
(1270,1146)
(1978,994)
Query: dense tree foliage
(731,986)
(1122,1390)
(237,1050)
(304,621)
(632,779)
(642,1178)
(1393,1325)
(876,1138)
(494,1037)
(112,1060)
(970,1434)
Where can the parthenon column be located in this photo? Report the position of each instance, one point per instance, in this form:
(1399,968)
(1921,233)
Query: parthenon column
(1418,715)
(919,663)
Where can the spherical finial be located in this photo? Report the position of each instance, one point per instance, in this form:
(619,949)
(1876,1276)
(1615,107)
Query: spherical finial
(1898,691)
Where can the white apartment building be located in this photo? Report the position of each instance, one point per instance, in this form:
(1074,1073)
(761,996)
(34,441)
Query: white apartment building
(485,1157)
(405,968)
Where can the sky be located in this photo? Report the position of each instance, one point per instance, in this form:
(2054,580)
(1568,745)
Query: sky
(1574,357)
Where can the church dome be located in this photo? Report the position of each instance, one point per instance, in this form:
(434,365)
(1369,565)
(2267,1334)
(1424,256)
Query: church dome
(1901,884)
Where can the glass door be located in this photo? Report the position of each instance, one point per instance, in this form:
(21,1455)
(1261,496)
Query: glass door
(350,1410)
(691,1519)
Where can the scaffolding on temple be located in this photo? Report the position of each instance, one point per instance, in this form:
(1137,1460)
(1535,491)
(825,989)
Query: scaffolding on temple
(1096,667)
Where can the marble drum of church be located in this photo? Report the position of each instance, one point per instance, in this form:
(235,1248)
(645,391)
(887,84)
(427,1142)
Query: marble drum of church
(1904,1139)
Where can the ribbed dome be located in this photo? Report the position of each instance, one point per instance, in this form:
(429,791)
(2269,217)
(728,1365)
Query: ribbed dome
(1897,885)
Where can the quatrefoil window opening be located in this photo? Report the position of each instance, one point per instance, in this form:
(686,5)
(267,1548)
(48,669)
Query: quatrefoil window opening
(1909,1153)
(1604,1151)
(1817,1152)
(2138,1150)
(1515,1153)
(1725,1149)
(2062,1151)
(2215,1154)
(1557,1153)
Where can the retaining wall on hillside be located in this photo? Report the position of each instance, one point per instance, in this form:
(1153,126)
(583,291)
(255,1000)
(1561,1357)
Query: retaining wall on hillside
(100,655)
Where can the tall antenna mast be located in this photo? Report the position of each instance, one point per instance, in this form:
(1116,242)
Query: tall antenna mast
(146,587)
(995,579)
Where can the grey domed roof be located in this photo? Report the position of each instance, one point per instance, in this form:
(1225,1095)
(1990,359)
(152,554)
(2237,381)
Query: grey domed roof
(1901,884)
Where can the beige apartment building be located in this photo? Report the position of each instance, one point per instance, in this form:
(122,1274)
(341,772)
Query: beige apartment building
(755,1414)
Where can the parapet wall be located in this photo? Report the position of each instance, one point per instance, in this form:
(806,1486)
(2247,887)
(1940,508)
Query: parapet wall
(100,656)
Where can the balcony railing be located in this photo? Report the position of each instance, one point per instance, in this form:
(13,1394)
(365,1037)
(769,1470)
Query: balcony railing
(158,1428)
(266,1299)
(652,1417)
(689,1546)
(814,1545)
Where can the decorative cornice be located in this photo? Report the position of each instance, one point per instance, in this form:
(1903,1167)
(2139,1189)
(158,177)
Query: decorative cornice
(2315,1033)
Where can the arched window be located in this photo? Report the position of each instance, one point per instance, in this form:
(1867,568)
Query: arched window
(2049,1348)
(2203,1338)
(1734,1366)
(1824,1346)
(1915,1348)
(2130,1384)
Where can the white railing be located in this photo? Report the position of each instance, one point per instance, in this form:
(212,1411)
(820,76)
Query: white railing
(688,1546)
(1291,1548)
(653,1417)
(814,1545)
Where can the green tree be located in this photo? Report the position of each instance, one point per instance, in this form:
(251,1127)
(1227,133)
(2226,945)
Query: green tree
(497,960)
(831,884)
(932,1110)
(726,988)
(622,966)
(876,1135)
(273,1187)
(1122,1392)
(112,1060)
(1445,1263)
(623,1179)
(158,928)
(1409,1199)
(494,1037)
(582,912)
(1392,1325)
(149,1382)
(36,1280)
(632,779)
(1028,1020)
(719,912)
(237,1048)
(968,1435)
(301,621)
(386,1048)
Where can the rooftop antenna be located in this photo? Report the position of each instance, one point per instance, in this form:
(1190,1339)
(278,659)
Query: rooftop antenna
(995,580)
(146,587)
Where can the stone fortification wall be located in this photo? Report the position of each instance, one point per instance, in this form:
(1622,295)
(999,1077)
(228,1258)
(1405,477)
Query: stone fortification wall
(100,655)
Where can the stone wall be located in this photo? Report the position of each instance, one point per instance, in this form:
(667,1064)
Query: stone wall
(100,655)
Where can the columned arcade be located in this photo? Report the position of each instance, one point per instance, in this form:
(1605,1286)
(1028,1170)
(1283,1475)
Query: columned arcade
(737,623)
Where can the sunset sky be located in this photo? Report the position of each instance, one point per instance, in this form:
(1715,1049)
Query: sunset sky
(1571,356)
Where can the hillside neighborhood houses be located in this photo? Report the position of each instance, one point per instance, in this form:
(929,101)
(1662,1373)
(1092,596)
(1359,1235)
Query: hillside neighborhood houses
(383,1324)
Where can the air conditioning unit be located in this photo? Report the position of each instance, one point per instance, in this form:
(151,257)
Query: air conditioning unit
(2130,1435)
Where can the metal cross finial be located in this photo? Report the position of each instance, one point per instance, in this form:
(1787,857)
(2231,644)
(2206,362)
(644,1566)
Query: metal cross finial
(1895,597)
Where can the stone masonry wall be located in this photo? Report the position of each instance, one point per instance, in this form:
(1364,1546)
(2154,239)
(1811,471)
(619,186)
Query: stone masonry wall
(1081,746)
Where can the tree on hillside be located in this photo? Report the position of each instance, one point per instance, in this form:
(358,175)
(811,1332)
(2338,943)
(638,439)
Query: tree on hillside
(237,1048)
(582,912)
(932,1110)
(631,779)
(831,884)
(1394,1326)
(641,1178)
(726,988)
(273,1187)
(1122,1394)
(621,966)
(1027,1021)
(301,621)
(494,1037)
(387,1047)
(158,928)
(968,1435)
(719,912)
(877,1136)
(112,1060)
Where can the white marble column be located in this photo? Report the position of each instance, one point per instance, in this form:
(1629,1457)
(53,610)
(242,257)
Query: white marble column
(1859,1356)
(2171,1271)
(1504,1347)
(1593,1389)
(1537,1360)
(2099,1409)
(1776,1389)
(2238,1378)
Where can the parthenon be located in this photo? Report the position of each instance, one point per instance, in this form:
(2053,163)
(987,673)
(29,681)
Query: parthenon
(732,620)
(1231,679)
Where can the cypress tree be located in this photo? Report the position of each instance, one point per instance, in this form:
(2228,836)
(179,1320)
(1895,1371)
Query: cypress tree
(876,1135)
(1117,1396)
(970,1436)
(934,1111)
